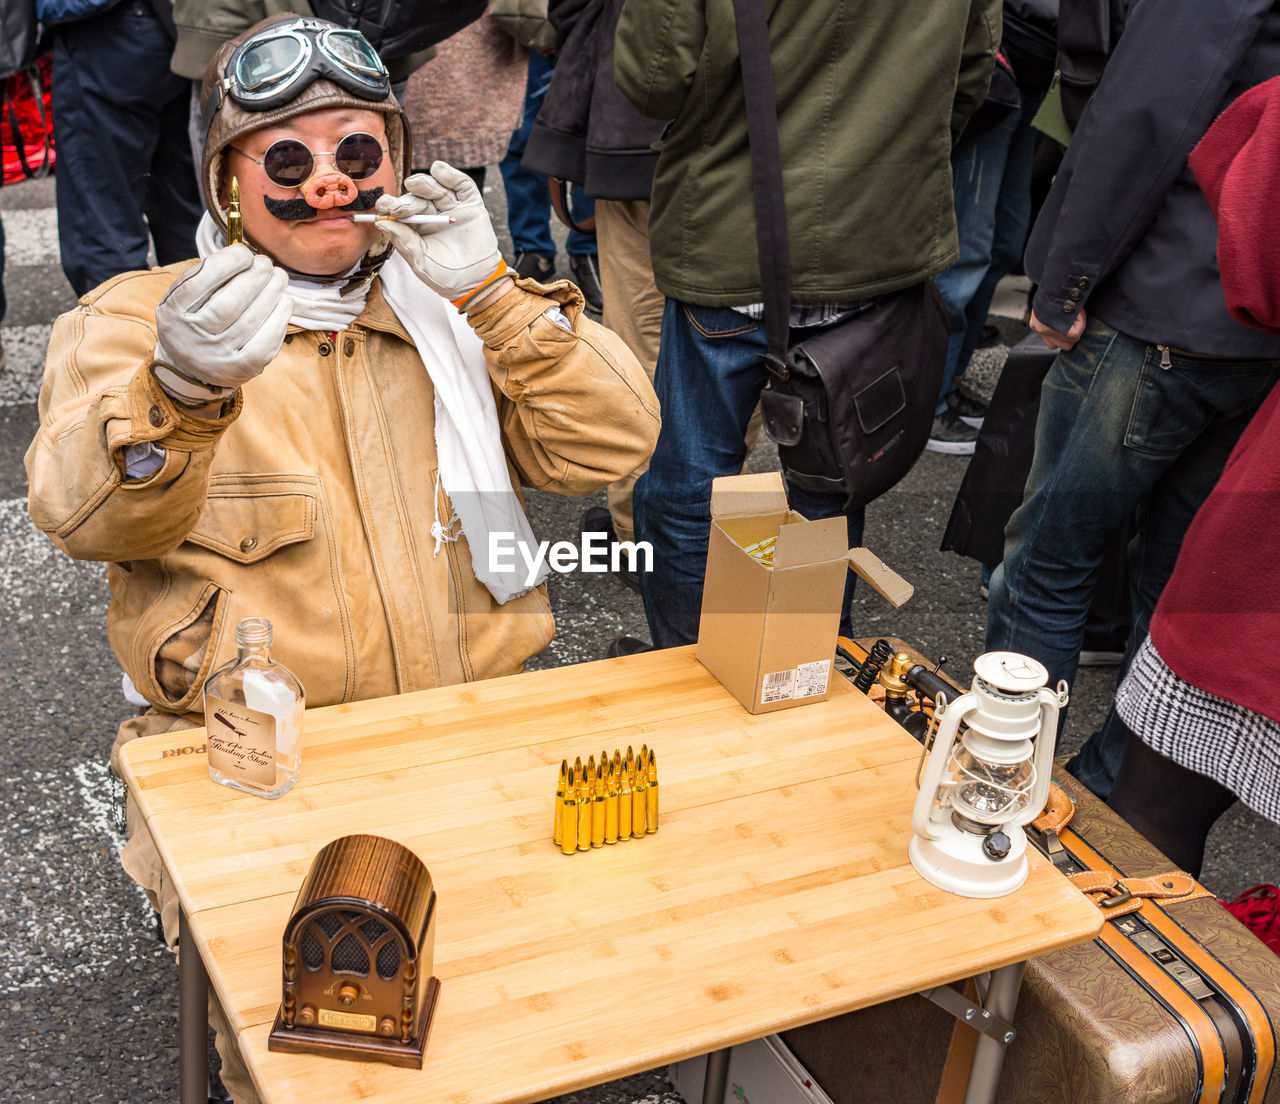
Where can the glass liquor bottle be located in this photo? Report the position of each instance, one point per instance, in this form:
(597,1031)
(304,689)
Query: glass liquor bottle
(253,717)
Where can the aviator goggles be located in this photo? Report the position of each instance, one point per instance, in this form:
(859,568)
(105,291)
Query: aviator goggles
(271,68)
(290,163)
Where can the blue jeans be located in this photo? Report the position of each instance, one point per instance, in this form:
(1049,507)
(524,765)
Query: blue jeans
(125,171)
(528,197)
(708,378)
(991,181)
(1118,436)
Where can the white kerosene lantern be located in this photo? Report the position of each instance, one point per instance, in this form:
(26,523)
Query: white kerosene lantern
(978,790)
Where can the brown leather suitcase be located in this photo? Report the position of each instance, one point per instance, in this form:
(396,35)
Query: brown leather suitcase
(1175,1003)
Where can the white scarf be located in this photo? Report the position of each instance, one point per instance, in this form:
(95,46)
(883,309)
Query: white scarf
(472,463)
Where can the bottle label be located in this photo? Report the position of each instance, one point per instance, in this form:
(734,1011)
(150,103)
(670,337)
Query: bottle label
(242,742)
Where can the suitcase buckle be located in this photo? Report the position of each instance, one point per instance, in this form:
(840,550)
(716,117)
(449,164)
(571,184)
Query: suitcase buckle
(1118,899)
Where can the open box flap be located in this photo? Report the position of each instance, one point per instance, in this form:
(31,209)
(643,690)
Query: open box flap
(744,495)
(803,542)
(886,582)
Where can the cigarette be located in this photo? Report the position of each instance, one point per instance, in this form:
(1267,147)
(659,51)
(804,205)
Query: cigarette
(412,220)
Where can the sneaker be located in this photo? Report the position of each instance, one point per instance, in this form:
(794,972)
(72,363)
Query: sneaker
(951,436)
(969,410)
(535,266)
(625,646)
(586,274)
(597,519)
(1099,657)
(1104,644)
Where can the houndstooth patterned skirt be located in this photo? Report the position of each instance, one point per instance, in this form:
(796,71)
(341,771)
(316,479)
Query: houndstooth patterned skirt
(1234,746)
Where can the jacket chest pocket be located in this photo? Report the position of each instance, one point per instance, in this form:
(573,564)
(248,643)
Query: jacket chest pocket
(248,524)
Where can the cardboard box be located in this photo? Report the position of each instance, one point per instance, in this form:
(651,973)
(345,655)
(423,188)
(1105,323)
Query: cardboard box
(762,1071)
(769,633)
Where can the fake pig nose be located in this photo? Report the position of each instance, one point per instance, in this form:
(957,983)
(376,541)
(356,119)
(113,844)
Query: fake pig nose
(329,188)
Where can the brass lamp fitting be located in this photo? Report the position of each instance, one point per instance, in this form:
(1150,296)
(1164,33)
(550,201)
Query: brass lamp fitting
(892,676)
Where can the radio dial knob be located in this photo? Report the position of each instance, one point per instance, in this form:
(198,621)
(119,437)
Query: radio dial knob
(307,1015)
(348,995)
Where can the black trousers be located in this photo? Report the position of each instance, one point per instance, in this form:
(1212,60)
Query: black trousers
(125,171)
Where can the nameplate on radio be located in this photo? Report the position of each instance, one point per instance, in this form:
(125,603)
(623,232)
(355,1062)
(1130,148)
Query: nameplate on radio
(348,1021)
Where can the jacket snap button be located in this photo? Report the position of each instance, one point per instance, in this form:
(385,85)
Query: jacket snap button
(1068,306)
(155,416)
(1076,293)
(348,346)
(325,350)
(248,544)
(1083,282)
(288,338)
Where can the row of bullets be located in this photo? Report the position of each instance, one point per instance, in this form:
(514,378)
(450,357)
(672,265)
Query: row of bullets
(762,550)
(606,801)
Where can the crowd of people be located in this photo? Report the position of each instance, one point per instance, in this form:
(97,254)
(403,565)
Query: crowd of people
(323,423)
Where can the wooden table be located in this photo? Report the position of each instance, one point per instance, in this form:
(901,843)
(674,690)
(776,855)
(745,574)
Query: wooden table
(776,893)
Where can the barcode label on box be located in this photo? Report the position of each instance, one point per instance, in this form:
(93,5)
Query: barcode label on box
(811,678)
(778,686)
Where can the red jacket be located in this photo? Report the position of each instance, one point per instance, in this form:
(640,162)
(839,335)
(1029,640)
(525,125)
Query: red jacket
(1218,621)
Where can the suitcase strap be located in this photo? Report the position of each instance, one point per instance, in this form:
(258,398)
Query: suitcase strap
(1058,811)
(1121,896)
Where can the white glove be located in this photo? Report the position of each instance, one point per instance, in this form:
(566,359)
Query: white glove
(452,260)
(220,325)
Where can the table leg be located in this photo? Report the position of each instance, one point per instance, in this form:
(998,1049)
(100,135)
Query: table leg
(193,1019)
(716,1079)
(988,1056)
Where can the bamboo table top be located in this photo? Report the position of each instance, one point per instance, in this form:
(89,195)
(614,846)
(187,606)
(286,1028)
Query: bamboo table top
(776,892)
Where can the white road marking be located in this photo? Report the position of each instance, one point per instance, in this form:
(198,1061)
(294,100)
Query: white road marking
(60,920)
(24,348)
(31,565)
(31,237)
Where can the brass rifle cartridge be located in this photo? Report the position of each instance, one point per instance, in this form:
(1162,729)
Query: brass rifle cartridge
(569,821)
(235,223)
(598,816)
(584,813)
(624,802)
(560,788)
(762,550)
(611,803)
(651,793)
(639,802)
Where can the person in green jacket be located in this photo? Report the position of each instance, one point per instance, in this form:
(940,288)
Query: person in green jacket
(871,96)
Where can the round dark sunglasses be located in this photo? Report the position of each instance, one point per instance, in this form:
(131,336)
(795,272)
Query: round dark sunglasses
(289,162)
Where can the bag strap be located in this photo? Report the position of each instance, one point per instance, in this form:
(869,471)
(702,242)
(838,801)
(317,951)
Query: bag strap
(37,91)
(559,190)
(766,177)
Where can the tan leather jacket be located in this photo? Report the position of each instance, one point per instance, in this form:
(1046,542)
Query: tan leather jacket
(310,501)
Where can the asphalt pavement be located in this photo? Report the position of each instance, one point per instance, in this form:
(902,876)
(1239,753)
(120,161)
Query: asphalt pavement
(88,995)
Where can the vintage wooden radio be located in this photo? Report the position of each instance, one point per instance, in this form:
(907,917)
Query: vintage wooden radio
(358,954)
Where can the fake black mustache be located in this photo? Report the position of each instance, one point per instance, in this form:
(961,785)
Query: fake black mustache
(292,210)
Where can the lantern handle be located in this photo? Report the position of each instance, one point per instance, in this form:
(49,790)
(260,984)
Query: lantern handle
(950,716)
(1052,702)
(931,733)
